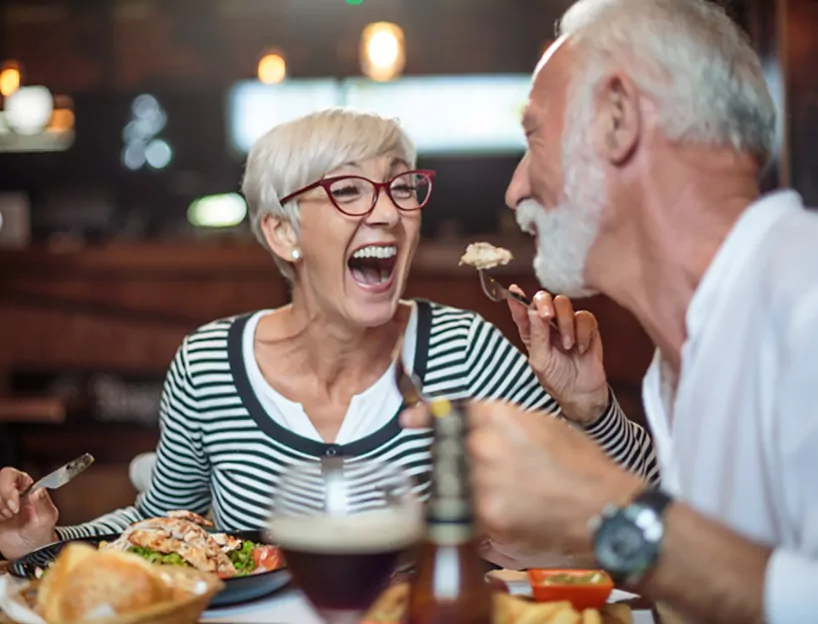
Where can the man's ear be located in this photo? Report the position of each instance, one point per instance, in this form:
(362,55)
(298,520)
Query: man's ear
(280,236)
(618,124)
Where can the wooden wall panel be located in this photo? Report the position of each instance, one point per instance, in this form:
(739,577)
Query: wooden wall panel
(127,308)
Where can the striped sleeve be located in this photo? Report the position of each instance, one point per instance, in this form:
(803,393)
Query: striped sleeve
(181,476)
(498,370)
(626,442)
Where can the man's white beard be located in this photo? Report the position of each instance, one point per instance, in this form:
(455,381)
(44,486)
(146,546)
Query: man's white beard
(567,232)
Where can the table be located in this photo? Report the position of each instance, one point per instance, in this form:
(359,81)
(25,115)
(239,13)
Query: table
(290,607)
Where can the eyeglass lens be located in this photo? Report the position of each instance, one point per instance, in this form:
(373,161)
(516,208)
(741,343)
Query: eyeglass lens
(357,195)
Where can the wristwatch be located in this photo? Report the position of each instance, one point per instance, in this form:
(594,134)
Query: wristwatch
(627,540)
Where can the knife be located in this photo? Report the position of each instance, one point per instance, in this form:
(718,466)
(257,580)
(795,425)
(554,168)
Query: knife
(61,476)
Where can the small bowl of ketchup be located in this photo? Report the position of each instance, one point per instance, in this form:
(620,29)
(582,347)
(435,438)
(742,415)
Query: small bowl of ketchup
(584,589)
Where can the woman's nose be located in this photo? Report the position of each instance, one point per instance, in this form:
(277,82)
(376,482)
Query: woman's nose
(385,212)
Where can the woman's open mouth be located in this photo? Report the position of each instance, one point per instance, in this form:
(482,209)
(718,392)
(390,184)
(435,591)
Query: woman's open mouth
(372,267)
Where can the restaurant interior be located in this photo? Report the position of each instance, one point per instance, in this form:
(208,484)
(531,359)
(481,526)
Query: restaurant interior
(123,131)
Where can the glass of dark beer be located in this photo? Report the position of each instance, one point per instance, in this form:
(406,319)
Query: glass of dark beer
(342,526)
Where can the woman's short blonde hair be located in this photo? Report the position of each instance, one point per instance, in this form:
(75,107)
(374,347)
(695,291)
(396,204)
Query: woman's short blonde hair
(299,152)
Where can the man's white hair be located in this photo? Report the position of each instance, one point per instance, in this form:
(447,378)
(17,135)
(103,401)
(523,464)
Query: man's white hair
(691,58)
(300,152)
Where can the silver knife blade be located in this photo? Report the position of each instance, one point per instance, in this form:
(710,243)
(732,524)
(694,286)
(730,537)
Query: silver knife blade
(63,475)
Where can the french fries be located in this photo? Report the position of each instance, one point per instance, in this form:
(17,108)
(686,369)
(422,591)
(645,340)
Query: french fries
(391,606)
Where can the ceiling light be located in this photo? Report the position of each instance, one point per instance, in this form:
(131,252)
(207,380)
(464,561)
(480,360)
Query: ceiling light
(272,68)
(382,51)
(217,211)
(158,154)
(28,110)
(133,156)
(9,79)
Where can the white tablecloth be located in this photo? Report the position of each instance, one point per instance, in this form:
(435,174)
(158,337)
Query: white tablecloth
(290,607)
(284,607)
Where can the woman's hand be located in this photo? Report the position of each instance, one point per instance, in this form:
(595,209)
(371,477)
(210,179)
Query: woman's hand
(25,523)
(568,361)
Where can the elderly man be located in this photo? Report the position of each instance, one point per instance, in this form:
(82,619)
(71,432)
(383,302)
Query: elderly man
(647,126)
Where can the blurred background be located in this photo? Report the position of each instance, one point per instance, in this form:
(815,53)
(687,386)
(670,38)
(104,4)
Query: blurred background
(123,130)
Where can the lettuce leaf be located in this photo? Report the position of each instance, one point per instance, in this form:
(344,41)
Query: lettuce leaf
(242,558)
(157,557)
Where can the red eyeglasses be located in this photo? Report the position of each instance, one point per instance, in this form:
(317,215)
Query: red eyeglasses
(356,196)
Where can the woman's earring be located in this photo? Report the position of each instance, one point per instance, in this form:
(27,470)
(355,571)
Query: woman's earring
(295,255)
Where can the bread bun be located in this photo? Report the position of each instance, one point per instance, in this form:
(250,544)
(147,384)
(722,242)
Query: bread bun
(85,583)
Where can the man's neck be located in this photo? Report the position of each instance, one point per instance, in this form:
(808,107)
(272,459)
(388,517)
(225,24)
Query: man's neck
(671,243)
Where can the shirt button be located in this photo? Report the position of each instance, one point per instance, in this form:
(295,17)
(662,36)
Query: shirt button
(332,450)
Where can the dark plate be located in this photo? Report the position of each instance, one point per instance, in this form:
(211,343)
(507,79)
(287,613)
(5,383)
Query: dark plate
(240,589)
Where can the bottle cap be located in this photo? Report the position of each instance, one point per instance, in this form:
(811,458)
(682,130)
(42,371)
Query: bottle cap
(440,407)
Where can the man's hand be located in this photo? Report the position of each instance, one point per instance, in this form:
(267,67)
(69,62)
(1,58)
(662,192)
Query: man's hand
(25,523)
(567,362)
(538,481)
(513,557)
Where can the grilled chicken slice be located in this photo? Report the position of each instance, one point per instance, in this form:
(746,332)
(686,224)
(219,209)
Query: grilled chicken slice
(228,543)
(189,515)
(183,537)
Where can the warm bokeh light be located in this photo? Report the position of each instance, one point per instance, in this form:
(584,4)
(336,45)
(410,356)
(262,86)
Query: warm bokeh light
(9,79)
(272,68)
(62,120)
(382,51)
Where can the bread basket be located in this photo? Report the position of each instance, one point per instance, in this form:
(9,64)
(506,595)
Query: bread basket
(192,591)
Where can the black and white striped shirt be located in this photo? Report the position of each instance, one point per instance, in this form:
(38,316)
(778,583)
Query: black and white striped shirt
(219,449)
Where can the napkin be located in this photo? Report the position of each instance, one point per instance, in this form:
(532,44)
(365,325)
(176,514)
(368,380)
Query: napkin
(12,603)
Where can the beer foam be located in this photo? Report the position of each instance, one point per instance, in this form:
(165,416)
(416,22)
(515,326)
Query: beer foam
(368,532)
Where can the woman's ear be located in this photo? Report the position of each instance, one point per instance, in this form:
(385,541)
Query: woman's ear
(281,238)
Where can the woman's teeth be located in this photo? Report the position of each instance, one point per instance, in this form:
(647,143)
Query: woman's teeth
(373,265)
(376,252)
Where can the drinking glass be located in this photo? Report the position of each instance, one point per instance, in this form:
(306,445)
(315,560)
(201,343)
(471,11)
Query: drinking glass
(342,526)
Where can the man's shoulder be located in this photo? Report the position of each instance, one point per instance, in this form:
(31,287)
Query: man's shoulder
(788,261)
(787,275)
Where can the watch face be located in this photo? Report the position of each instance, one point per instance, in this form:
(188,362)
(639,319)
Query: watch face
(621,548)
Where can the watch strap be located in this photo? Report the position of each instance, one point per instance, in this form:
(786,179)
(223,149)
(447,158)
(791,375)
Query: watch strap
(654,499)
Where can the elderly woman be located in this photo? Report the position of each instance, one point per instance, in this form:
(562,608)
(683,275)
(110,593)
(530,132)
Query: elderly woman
(335,197)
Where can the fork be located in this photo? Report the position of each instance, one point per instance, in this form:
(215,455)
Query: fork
(408,383)
(497,292)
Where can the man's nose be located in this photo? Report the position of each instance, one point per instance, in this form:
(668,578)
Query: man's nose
(518,189)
